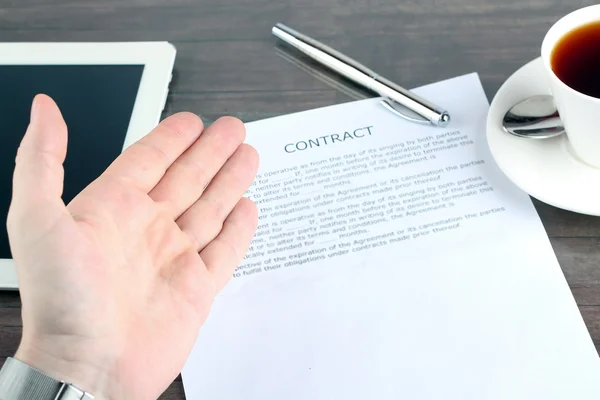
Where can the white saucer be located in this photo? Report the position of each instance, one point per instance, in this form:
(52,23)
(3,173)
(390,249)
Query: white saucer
(546,169)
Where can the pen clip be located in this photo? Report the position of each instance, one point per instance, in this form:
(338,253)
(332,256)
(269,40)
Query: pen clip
(403,112)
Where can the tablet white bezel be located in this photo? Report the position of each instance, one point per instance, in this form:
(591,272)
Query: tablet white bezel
(157,57)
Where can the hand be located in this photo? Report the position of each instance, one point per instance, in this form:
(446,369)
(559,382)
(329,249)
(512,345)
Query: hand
(116,285)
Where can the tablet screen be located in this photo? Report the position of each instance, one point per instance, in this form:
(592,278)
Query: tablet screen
(96,102)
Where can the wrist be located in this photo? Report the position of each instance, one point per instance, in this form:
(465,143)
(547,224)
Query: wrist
(82,374)
(20,381)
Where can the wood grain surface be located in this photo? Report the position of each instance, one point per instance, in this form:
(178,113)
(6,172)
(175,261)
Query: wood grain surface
(229,64)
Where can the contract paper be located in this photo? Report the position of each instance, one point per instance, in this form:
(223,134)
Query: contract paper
(392,261)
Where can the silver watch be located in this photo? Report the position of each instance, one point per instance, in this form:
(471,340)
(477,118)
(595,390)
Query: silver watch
(19,381)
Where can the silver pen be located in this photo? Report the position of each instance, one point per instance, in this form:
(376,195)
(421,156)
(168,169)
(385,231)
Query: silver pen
(396,99)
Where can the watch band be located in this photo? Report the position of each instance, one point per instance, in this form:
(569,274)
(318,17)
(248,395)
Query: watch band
(19,381)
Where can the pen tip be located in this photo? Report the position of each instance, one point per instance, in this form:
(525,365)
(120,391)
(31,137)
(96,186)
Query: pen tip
(444,119)
(278,27)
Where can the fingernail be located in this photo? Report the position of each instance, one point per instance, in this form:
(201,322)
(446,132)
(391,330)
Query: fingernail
(34,108)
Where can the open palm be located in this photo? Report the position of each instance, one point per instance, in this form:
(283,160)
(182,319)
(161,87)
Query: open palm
(116,284)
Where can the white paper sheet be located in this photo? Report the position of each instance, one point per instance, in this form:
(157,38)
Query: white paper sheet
(392,261)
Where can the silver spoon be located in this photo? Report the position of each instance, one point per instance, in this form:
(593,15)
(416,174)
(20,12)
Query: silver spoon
(535,118)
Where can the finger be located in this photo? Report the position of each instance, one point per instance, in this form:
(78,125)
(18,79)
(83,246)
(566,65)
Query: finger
(39,173)
(227,250)
(144,163)
(185,180)
(204,220)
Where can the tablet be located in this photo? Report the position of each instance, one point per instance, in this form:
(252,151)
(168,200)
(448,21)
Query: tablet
(110,94)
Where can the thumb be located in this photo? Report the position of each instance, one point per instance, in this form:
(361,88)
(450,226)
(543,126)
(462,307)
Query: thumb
(39,173)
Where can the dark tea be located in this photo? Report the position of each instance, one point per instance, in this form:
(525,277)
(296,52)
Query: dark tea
(576,59)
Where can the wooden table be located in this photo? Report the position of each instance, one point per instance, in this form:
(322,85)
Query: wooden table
(227,63)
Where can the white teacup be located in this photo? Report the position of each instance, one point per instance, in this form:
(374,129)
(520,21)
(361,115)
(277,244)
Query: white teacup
(579,112)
